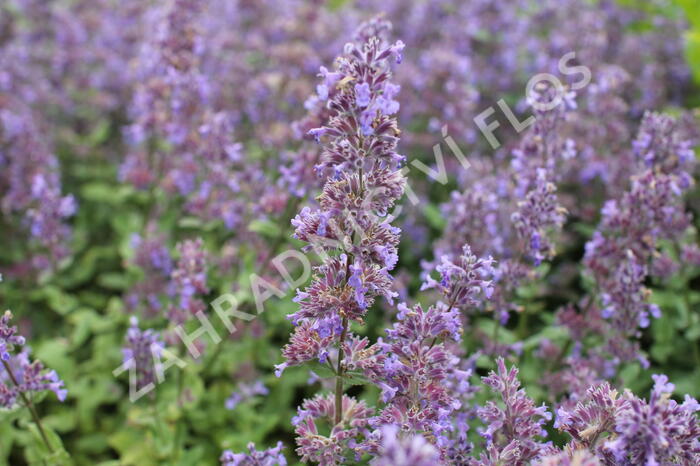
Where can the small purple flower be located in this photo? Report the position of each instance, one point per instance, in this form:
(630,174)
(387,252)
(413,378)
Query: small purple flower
(397,50)
(404,450)
(658,431)
(517,427)
(329,448)
(141,353)
(24,376)
(362,95)
(465,282)
(317,133)
(8,337)
(244,392)
(189,279)
(270,457)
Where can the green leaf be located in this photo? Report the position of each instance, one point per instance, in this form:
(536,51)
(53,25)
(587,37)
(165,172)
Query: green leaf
(113,281)
(39,453)
(321,370)
(61,302)
(434,216)
(99,134)
(190,222)
(336,4)
(355,378)
(265,227)
(558,333)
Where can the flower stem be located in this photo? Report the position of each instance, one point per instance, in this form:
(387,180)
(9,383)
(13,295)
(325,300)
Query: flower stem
(344,332)
(339,378)
(28,403)
(178,426)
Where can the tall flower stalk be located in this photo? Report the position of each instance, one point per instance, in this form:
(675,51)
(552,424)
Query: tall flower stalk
(626,243)
(350,228)
(20,378)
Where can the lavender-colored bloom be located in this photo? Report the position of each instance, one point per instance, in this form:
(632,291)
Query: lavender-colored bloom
(658,431)
(631,227)
(153,258)
(30,183)
(424,384)
(306,344)
(592,418)
(416,370)
(534,161)
(270,457)
(24,377)
(464,282)
(298,174)
(575,458)
(362,95)
(142,353)
(537,214)
(412,450)
(363,182)
(31,378)
(329,449)
(189,280)
(690,254)
(244,392)
(8,336)
(514,428)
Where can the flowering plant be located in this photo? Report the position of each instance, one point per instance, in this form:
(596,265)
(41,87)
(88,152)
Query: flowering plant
(437,232)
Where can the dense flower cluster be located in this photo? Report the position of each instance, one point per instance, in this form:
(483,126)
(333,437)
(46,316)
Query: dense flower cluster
(417,369)
(30,183)
(173,285)
(631,430)
(359,144)
(8,337)
(359,152)
(512,432)
(414,450)
(321,411)
(174,102)
(142,353)
(425,385)
(632,226)
(270,457)
(244,392)
(152,257)
(19,376)
(657,431)
(189,280)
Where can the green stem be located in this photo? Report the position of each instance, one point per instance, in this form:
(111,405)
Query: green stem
(28,403)
(210,363)
(330,366)
(178,425)
(156,414)
(554,365)
(339,378)
(522,324)
(344,332)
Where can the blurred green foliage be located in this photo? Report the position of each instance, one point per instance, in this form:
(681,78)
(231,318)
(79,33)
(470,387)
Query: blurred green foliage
(692,11)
